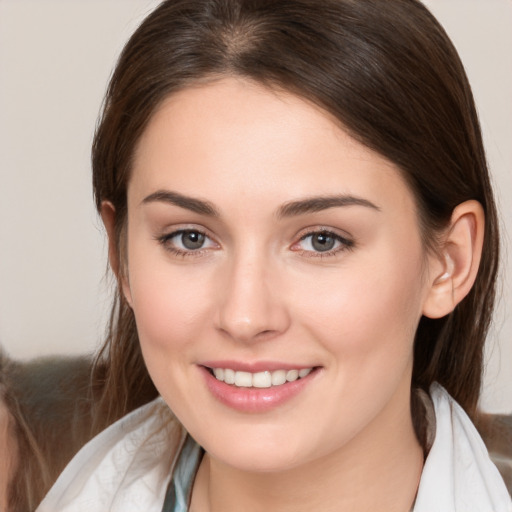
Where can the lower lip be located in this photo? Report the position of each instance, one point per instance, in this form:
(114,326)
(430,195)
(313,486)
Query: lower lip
(255,400)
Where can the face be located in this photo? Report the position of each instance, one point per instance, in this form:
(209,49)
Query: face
(277,276)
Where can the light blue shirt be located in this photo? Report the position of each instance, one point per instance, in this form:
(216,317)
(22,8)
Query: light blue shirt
(178,492)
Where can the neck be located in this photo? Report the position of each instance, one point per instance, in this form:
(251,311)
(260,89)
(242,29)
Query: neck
(378,470)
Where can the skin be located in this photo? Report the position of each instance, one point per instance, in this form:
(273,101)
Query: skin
(258,290)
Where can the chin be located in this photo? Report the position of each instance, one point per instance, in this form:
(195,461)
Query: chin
(260,461)
(257,452)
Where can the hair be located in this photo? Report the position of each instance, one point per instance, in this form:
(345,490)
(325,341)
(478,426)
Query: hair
(392,78)
(50,419)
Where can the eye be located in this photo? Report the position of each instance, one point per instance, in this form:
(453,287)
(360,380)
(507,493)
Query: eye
(192,240)
(322,243)
(186,241)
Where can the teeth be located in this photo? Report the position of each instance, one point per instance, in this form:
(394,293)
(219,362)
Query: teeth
(264,379)
(229,376)
(278,377)
(243,379)
(292,375)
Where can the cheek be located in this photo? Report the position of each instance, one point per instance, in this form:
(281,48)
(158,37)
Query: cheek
(366,309)
(169,304)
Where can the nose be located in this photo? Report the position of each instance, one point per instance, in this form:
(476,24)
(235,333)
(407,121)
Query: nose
(251,305)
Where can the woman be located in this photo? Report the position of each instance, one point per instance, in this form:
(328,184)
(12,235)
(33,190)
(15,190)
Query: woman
(305,240)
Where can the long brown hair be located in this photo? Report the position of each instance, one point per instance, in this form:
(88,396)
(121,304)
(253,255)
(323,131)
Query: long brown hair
(50,420)
(386,70)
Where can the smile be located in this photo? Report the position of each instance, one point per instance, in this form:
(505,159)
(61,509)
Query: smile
(269,385)
(265,379)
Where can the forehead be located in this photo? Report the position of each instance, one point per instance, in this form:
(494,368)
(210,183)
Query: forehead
(235,138)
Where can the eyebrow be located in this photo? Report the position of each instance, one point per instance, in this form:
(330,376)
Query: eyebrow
(290,209)
(189,203)
(318,204)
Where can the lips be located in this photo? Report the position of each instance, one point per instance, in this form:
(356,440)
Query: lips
(266,387)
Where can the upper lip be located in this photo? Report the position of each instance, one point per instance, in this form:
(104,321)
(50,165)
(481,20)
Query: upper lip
(255,366)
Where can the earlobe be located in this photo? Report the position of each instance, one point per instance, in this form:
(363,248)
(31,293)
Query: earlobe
(454,270)
(108,216)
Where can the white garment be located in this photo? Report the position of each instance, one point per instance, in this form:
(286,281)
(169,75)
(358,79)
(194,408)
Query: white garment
(458,474)
(127,467)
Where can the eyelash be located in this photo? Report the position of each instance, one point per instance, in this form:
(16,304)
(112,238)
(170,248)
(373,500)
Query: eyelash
(165,239)
(345,244)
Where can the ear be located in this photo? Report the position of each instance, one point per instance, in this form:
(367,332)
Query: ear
(108,216)
(453,271)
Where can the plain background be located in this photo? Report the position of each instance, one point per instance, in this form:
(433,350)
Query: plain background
(55,59)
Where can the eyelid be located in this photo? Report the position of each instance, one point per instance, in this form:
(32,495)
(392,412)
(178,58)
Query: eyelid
(346,242)
(165,238)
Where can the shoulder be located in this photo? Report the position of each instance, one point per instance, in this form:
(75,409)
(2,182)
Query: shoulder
(128,465)
(458,473)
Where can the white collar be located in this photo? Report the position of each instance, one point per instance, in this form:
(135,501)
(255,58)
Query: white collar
(458,475)
(128,466)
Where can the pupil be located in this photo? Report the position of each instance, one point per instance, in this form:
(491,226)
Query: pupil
(192,240)
(323,242)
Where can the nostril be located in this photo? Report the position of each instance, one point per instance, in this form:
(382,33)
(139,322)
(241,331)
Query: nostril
(250,317)
(265,334)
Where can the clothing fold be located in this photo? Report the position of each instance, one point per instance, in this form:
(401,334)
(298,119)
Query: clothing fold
(458,474)
(131,465)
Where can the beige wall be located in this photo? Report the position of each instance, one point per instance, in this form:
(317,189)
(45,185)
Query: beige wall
(55,59)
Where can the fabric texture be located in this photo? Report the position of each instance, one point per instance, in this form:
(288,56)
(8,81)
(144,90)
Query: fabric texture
(128,467)
(180,489)
(458,474)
